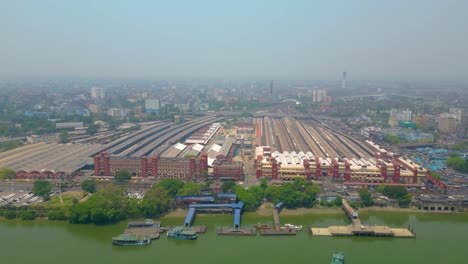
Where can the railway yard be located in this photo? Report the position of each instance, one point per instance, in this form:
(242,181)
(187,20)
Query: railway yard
(289,134)
(49,160)
(300,146)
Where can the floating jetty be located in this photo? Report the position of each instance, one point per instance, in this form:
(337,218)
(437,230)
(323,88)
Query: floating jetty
(147,228)
(280,232)
(199,228)
(358,229)
(236,231)
(139,233)
(265,230)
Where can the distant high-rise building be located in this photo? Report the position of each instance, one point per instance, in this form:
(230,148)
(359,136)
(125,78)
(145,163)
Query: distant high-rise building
(405,115)
(447,123)
(117,112)
(399,115)
(457,112)
(319,95)
(97,92)
(463,127)
(343,80)
(152,106)
(94,108)
(272,95)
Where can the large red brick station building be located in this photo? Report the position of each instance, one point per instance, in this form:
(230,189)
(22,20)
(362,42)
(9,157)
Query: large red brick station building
(154,166)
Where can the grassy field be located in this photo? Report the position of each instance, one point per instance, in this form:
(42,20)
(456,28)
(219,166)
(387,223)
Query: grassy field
(67,198)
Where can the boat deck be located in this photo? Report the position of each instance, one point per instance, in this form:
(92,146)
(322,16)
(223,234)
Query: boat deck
(151,232)
(376,231)
(236,232)
(279,232)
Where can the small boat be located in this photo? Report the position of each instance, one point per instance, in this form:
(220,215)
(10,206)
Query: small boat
(260,226)
(291,226)
(182,233)
(148,223)
(130,240)
(338,258)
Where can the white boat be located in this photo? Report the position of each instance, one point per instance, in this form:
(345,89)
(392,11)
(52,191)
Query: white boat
(291,226)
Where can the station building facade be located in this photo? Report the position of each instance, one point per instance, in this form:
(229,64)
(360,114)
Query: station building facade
(385,168)
(154,166)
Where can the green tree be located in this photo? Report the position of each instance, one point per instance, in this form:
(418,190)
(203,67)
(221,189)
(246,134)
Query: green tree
(63,136)
(190,189)
(98,216)
(57,215)
(252,197)
(227,186)
(405,200)
(7,173)
(338,201)
(156,201)
(391,139)
(42,188)
(264,183)
(79,214)
(172,186)
(394,192)
(273,194)
(435,175)
(123,176)
(366,198)
(9,214)
(108,205)
(92,129)
(457,163)
(89,185)
(4,146)
(27,215)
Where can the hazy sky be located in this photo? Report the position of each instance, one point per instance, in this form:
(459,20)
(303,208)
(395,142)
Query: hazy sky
(308,39)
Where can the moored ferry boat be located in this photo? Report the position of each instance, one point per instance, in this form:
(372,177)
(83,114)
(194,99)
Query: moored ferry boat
(337,258)
(128,240)
(148,223)
(182,233)
(294,227)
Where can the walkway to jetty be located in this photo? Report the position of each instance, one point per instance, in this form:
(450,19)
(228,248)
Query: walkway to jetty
(236,209)
(276,219)
(193,208)
(358,229)
(277,230)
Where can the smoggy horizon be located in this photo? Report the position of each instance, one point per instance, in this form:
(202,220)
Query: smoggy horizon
(303,40)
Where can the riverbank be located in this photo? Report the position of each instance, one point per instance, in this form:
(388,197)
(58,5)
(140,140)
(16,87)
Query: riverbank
(266,210)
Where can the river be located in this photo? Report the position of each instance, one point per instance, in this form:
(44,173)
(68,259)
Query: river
(440,239)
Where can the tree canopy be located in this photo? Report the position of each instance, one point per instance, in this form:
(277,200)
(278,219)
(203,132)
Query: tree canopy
(227,186)
(396,192)
(7,173)
(296,194)
(366,198)
(123,176)
(172,186)
(458,164)
(89,185)
(42,187)
(108,205)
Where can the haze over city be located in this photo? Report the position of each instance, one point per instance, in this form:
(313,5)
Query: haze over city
(375,40)
(208,132)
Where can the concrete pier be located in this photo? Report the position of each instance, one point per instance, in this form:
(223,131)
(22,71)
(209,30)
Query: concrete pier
(358,229)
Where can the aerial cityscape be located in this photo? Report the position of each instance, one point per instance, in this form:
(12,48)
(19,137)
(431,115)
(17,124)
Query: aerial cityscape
(246,139)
